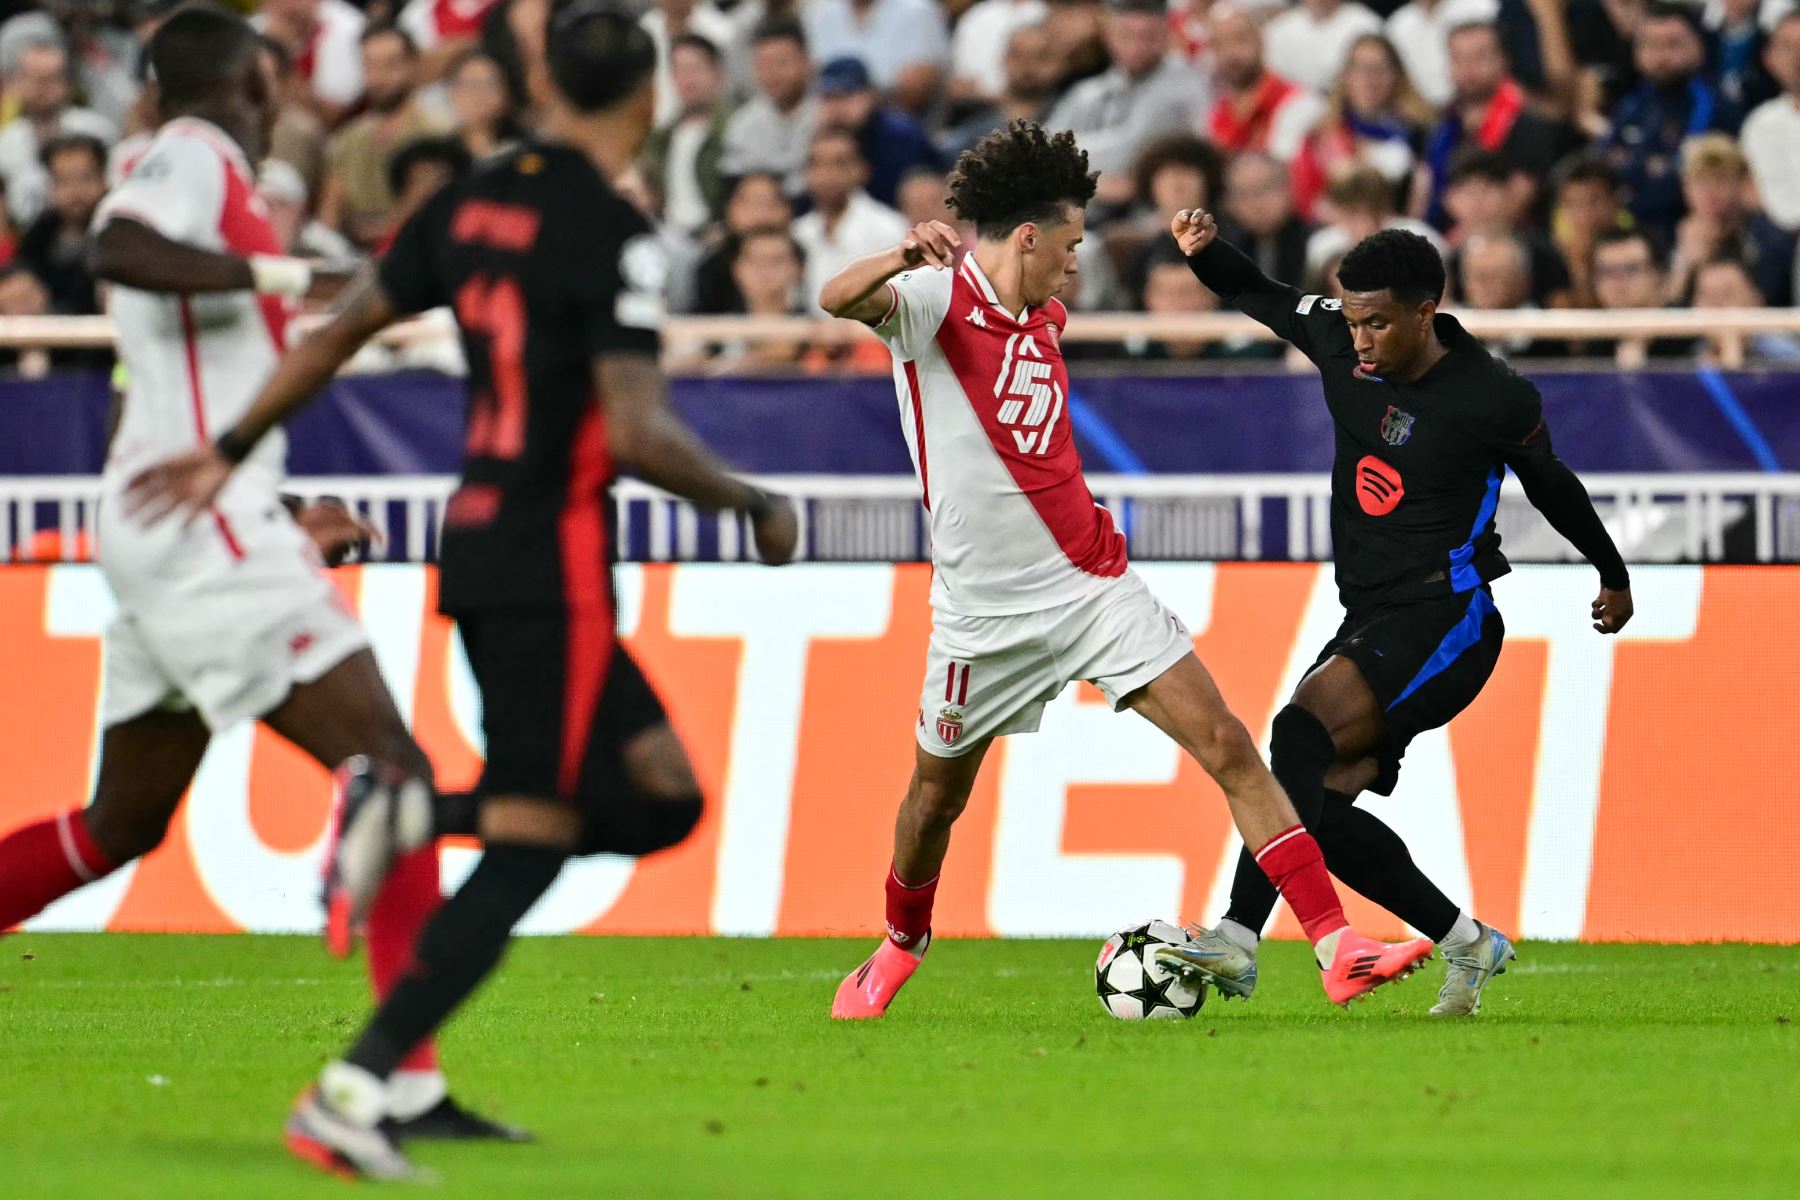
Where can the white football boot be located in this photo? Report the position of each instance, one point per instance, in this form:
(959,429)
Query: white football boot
(1210,956)
(1468,968)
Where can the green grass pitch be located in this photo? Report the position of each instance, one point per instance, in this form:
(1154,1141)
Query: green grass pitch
(162,1066)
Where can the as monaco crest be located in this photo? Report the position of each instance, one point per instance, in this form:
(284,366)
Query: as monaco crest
(1396,426)
(949,724)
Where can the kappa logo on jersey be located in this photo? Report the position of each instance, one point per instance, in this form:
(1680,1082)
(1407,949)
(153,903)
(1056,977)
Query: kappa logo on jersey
(1396,426)
(976,319)
(1378,487)
(1031,401)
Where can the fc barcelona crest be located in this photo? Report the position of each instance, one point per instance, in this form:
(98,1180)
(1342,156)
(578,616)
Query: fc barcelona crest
(949,724)
(1396,426)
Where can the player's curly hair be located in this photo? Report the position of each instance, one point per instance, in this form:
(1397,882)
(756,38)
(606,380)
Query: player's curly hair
(1394,260)
(1019,174)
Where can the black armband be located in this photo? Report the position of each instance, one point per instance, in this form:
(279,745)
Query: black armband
(232,448)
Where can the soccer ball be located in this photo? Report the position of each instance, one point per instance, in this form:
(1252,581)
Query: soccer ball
(1133,986)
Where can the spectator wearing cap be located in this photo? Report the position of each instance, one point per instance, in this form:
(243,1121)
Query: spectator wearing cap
(55,246)
(1675,100)
(979,44)
(772,130)
(1587,204)
(1489,109)
(1373,117)
(1030,71)
(1771,134)
(905,43)
(323,39)
(357,199)
(1309,42)
(39,83)
(1256,109)
(1722,221)
(1420,31)
(845,222)
(1147,93)
(283,192)
(1481,202)
(666,22)
(891,141)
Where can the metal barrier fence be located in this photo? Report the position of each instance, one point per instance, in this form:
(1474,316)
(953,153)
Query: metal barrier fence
(1654,518)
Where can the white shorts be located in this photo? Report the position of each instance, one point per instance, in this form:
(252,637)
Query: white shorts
(989,676)
(224,616)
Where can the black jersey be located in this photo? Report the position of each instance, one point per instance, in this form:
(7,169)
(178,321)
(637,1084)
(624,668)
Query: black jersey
(545,267)
(1416,477)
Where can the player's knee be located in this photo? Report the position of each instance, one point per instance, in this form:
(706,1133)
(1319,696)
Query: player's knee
(122,831)
(1223,746)
(637,825)
(939,803)
(1299,737)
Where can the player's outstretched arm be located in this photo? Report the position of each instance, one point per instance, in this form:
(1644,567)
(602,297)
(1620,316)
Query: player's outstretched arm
(130,253)
(859,291)
(1230,274)
(645,434)
(188,483)
(1557,492)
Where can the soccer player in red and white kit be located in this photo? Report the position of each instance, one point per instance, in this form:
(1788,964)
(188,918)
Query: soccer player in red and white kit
(1030,586)
(229,617)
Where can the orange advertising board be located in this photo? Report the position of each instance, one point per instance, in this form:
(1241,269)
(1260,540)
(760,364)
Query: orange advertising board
(1601,788)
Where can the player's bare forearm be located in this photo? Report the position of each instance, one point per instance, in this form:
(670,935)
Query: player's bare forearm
(657,446)
(132,254)
(858,292)
(307,368)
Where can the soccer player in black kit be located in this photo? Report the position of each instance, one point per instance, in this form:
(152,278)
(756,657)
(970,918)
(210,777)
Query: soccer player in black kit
(556,283)
(1428,423)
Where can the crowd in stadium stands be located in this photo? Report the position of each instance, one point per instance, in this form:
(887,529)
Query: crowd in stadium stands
(1564,153)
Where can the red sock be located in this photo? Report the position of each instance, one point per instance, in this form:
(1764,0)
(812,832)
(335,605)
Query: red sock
(1292,861)
(45,862)
(909,910)
(408,897)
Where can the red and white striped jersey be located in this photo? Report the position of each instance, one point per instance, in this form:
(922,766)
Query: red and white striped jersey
(984,405)
(195,363)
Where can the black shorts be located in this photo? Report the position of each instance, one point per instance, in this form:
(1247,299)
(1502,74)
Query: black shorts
(1425,661)
(560,698)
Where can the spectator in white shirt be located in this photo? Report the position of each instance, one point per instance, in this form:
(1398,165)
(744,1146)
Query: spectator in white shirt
(1308,43)
(978,46)
(904,43)
(40,84)
(323,38)
(1771,134)
(771,132)
(1148,93)
(1420,31)
(844,223)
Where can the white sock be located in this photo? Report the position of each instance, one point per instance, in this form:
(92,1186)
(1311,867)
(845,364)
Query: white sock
(1325,949)
(357,1094)
(1241,935)
(1463,932)
(413,1093)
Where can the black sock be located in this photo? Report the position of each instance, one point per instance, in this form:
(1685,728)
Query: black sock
(1300,754)
(456,813)
(1370,858)
(458,948)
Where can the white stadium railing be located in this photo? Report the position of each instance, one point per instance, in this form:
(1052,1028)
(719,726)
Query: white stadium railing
(1653,517)
(1728,330)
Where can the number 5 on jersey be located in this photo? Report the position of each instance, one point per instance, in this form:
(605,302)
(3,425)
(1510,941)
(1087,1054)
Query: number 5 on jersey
(1029,401)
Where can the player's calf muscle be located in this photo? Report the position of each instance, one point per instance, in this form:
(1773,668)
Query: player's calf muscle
(529,820)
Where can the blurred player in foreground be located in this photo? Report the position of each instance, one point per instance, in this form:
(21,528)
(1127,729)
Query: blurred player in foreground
(1030,587)
(230,618)
(1428,423)
(557,283)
